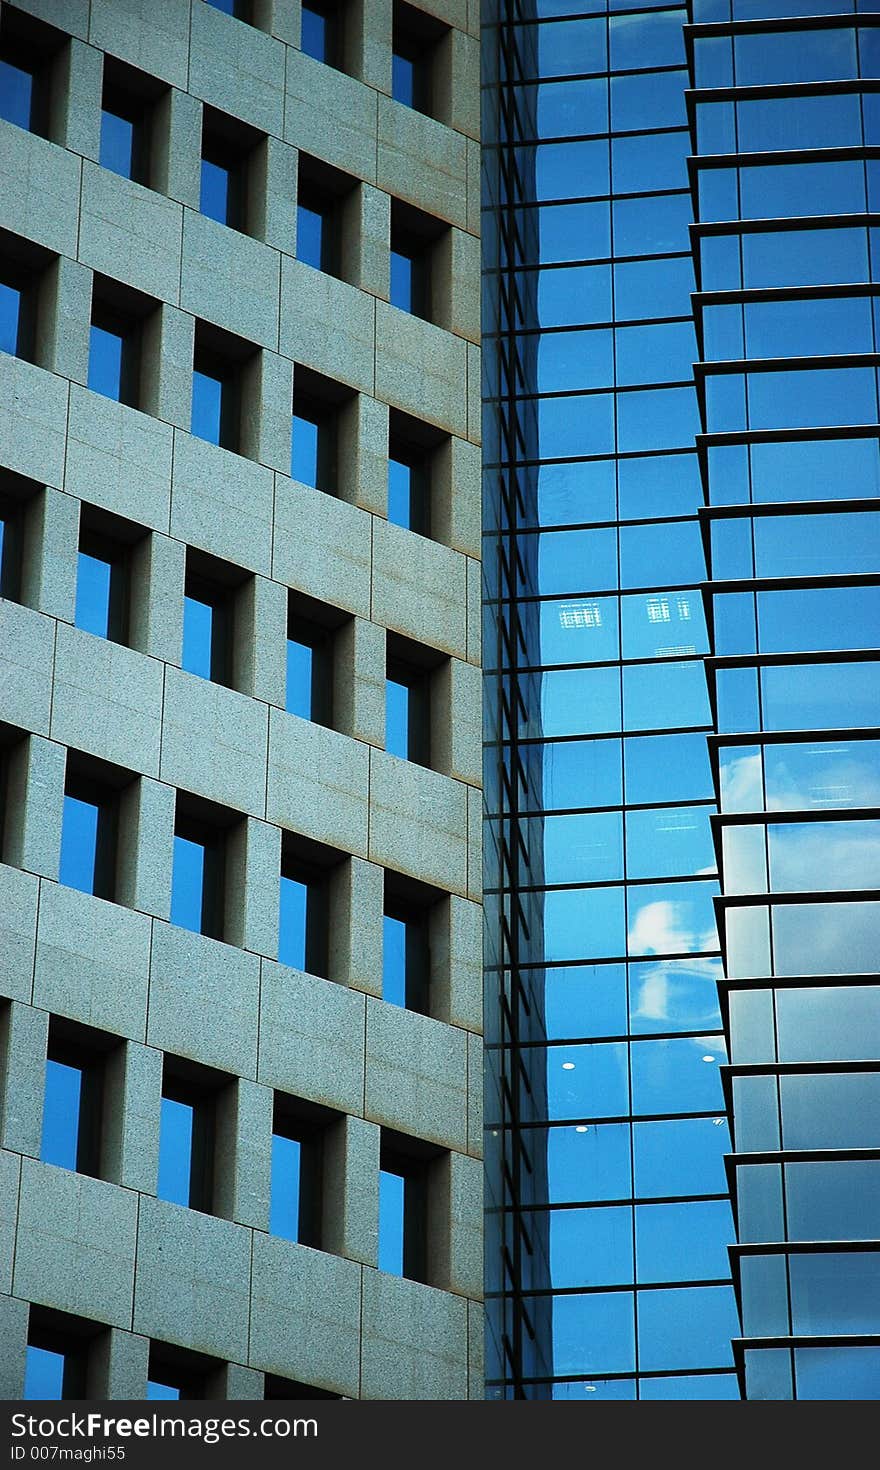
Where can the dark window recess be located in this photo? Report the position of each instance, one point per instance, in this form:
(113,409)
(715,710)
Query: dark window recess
(415,38)
(29,53)
(240,9)
(21,274)
(188,1133)
(128,103)
(312,628)
(409,667)
(404,1165)
(229,153)
(321,195)
(198,880)
(177,1373)
(304,921)
(220,363)
(90,822)
(18,497)
(74,1097)
(314,453)
(208,625)
(413,237)
(406,950)
(298,1147)
(412,447)
(119,324)
(321,34)
(107,571)
(59,1349)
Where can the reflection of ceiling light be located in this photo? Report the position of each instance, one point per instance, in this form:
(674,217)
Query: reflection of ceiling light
(657,609)
(717,1122)
(707,1058)
(580,615)
(581,1128)
(568,1066)
(589,1388)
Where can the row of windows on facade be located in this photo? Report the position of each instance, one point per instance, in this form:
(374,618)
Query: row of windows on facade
(82,1098)
(217,631)
(66,1358)
(124,348)
(233,183)
(99,825)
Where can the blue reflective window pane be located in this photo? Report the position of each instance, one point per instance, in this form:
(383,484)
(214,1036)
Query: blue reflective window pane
(682,1156)
(570,358)
(667,768)
(692,1328)
(588,1161)
(394,960)
(665,695)
(566,109)
(187,884)
(658,485)
(161,1390)
(44,1369)
(579,631)
(669,842)
(647,40)
(672,1077)
(585,1000)
(215,191)
(652,289)
(391,1222)
(61,1104)
(397,718)
(117,143)
(207,401)
(594,1333)
(400,489)
(579,848)
(651,225)
(304,451)
(590,1247)
(579,701)
(300,658)
(582,924)
(573,231)
(696,1387)
(16,94)
(403,79)
(574,561)
(684,1242)
(79,844)
(314,33)
(10,309)
(570,295)
(564,47)
(175,1151)
(105,362)
(292,923)
(580,773)
(309,235)
(614,1390)
(671,918)
(654,101)
(557,163)
(198,636)
(569,493)
(285,1190)
(93,594)
(650,160)
(674,995)
(834,1293)
(663,624)
(588,1081)
(401,292)
(834,1373)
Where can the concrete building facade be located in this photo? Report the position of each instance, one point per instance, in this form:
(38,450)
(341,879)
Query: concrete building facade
(124,1286)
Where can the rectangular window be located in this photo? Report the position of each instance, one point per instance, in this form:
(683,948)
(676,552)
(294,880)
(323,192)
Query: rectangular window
(318,406)
(128,118)
(408,701)
(411,450)
(321,228)
(406,955)
(198,877)
(188,1134)
(115,340)
(102,586)
(321,31)
(403,1205)
(415,38)
(229,154)
(73,1100)
(311,631)
(17,88)
(28,50)
(219,370)
(414,239)
(208,625)
(298,1132)
(303,922)
(88,829)
(238,8)
(12,515)
(57,1355)
(21,273)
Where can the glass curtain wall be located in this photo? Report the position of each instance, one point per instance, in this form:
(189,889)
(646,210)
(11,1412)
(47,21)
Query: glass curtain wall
(609,1218)
(785,118)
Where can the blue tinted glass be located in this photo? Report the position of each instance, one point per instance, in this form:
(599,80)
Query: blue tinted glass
(44,1370)
(79,844)
(187,883)
(299,679)
(682,1329)
(399,492)
(161,1390)
(93,594)
(227,6)
(105,362)
(214,198)
(61,1103)
(594,1332)
(292,923)
(403,74)
(284,1204)
(590,1247)
(683,1156)
(16,98)
(117,143)
(207,401)
(175,1151)
(684,1242)
(698,1386)
(394,960)
(198,634)
(309,235)
(401,280)
(673,1077)
(391,1222)
(397,718)
(10,308)
(588,1162)
(304,451)
(313,36)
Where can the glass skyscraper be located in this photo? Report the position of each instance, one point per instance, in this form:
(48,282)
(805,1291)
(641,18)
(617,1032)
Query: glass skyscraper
(682,587)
